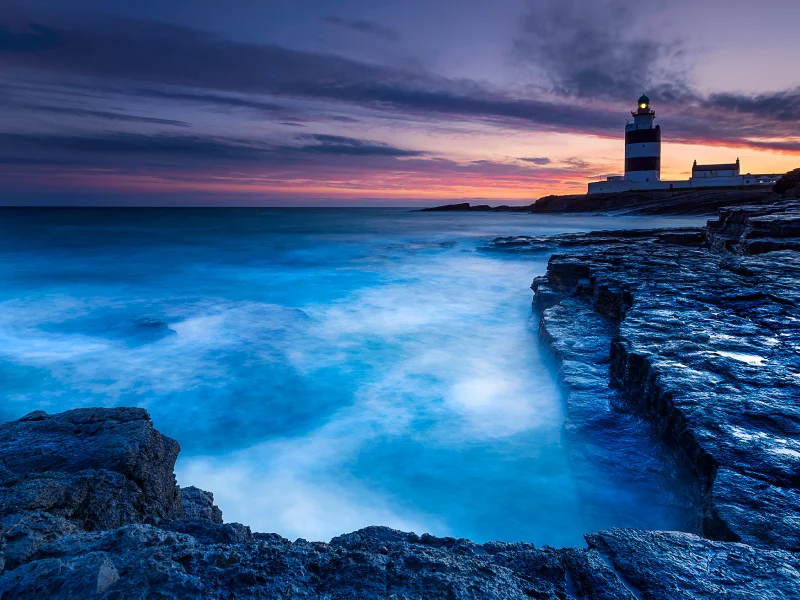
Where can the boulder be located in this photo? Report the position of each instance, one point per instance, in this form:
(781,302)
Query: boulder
(96,468)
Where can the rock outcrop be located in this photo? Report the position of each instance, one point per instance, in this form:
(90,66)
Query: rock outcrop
(115,526)
(567,242)
(698,201)
(705,344)
(756,229)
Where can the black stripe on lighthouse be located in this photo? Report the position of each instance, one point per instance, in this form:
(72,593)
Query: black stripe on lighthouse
(643,136)
(643,163)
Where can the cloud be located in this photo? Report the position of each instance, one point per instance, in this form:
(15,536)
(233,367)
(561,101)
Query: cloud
(115,144)
(588,50)
(537,160)
(175,64)
(362,26)
(335,144)
(36,39)
(168,150)
(97,114)
(214,99)
(783,105)
(577,50)
(142,52)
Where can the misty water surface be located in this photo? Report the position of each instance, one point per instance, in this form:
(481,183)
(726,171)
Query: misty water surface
(323,370)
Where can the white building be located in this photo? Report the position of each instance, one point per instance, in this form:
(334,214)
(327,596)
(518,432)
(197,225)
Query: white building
(643,163)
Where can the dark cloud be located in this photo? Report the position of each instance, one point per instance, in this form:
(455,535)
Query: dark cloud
(97,114)
(609,52)
(209,98)
(37,162)
(789,146)
(123,144)
(136,52)
(172,150)
(35,39)
(783,106)
(577,163)
(607,49)
(582,53)
(537,160)
(345,146)
(362,26)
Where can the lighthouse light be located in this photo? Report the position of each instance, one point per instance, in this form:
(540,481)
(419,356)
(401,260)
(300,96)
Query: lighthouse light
(643,105)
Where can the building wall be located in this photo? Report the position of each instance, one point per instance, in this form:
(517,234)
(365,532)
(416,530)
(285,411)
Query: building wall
(716,181)
(615,186)
(706,174)
(609,187)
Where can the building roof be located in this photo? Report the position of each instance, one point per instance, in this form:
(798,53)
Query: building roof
(720,167)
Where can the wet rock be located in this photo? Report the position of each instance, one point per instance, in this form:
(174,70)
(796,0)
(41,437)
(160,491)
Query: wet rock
(756,229)
(55,548)
(579,242)
(671,565)
(705,345)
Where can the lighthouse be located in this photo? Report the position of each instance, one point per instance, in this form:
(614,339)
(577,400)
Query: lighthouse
(643,145)
(643,163)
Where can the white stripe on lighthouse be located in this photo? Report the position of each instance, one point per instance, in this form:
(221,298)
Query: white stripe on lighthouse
(640,150)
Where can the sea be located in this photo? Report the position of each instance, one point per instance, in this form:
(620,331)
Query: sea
(322,369)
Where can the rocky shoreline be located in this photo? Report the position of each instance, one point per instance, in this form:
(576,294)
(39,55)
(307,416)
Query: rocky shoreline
(689,336)
(90,509)
(699,201)
(706,345)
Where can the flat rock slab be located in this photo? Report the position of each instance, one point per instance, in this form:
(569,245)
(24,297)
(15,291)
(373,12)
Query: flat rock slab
(708,346)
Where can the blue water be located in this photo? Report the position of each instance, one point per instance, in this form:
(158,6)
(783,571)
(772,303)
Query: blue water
(323,370)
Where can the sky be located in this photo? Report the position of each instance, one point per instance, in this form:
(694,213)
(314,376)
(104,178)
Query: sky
(357,102)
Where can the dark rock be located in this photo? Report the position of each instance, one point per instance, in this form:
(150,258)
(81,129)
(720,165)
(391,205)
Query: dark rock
(209,532)
(100,468)
(579,242)
(756,229)
(659,564)
(199,504)
(54,555)
(705,345)
(467,207)
(789,184)
(697,201)
(49,553)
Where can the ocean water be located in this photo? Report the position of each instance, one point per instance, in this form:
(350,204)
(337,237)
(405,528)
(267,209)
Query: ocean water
(322,369)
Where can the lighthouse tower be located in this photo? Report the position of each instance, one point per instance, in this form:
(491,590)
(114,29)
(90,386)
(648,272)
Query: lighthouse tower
(643,145)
